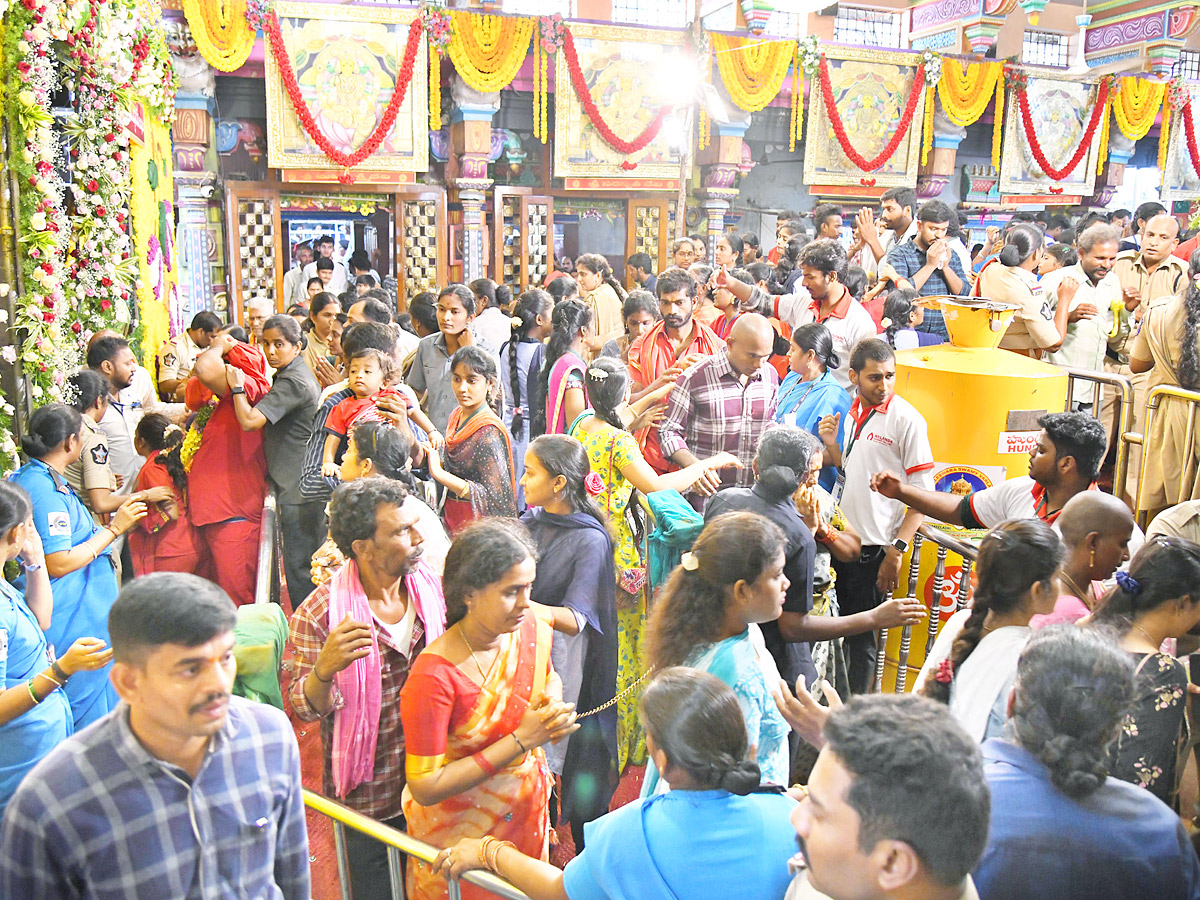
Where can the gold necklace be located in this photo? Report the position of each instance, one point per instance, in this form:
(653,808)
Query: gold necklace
(1082,595)
(1147,636)
(463,634)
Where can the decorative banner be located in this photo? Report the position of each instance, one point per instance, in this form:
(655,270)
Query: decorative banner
(1061,117)
(866,103)
(222,34)
(354,68)
(1136,105)
(752,70)
(621,73)
(1181,175)
(150,207)
(488,51)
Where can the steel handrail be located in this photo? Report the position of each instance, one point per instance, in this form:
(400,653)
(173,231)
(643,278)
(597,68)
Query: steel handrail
(266,549)
(954,545)
(1153,402)
(1124,424)
(406,844)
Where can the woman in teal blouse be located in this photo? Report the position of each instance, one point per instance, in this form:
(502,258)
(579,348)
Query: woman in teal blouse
(810,391)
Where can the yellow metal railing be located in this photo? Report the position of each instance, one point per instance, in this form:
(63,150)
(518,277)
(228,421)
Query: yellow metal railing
(398,843)
(1154,402)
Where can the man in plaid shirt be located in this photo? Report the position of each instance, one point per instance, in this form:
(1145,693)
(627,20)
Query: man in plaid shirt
(722,404)
(928,264)
(371,525)
(183,790)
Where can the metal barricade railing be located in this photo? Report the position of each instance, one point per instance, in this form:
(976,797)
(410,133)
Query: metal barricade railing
(398,843)
(1154,403)
(266,580)
(1125,434)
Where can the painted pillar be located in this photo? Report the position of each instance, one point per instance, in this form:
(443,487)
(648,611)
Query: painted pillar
(933,177)
(195,185)
(720,163)
(467,166)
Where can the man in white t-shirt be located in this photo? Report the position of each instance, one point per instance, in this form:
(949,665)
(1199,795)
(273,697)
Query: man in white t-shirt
(1063,462)
(880,431)
(340,280)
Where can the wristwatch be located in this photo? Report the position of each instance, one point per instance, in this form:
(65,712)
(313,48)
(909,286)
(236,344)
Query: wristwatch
(900,545)
(237,390)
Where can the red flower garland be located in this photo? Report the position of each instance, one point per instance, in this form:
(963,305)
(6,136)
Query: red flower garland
(839,129)
(579,82)
(288,75)
(1098,111)
(1189,131)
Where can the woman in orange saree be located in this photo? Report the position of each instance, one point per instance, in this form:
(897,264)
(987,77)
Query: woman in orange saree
(478,466)
(479,704)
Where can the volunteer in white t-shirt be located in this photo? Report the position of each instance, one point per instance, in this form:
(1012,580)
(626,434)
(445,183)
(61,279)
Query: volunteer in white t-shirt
(881,431)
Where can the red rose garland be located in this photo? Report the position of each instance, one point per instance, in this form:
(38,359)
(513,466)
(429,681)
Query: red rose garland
(1098,111)
(579,82)
(1189,131)
(839,129)
(287,74)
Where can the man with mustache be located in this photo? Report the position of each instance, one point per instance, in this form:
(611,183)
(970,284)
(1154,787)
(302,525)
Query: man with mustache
(181,791)
(355,638)
(671,345)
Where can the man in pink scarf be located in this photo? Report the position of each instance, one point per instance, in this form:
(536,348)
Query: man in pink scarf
(355,638)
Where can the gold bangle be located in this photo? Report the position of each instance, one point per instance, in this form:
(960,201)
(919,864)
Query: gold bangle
(484,843)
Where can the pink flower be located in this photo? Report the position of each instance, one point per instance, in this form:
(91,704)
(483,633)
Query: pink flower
(593,484)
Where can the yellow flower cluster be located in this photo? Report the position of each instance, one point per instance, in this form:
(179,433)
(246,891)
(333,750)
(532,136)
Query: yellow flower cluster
(488,51)
(752,70)
(1136,106)
(222,34)
(145,211)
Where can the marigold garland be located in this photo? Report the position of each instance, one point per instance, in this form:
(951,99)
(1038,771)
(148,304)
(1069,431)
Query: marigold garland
(1164,134)
(1136,105)
(796,132)
(223,36)
(579,83)
(752,70)
(1098,110)
(998,120)
(1102,150)
(966,92)
(488,51)
(927,131)
(287,74)
(839,129)
(1189,133)
(435,90)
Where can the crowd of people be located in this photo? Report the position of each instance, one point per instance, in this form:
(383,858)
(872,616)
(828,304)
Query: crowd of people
(539,546)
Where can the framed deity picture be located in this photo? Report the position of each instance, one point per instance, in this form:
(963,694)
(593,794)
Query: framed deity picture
(1060,110)
(346,61)
(870,89)
(1181,178)
(625,69)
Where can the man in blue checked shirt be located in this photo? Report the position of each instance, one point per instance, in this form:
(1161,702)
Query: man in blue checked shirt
(182,791)
(928,264)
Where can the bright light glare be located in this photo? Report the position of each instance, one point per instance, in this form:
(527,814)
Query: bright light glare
(677,79)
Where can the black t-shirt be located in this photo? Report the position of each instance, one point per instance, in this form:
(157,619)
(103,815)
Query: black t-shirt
(289,406)
(792,659)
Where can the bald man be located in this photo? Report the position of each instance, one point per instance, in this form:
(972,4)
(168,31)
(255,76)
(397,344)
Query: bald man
(1152,274)
(722,404)
(1096,529)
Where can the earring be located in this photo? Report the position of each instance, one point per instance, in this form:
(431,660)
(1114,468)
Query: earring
(1092,559)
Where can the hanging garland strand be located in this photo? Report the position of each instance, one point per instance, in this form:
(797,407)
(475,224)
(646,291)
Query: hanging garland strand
(796,132)
(579,82)
(998,120)
(488,51)
(966,92)
(222,34)
(752,70)
(1189,132)
(1098,110)
(1164,134)
(1135,106)
(270,25)
(839,129)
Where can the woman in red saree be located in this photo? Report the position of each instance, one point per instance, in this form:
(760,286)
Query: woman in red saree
(479,704)
(478,468)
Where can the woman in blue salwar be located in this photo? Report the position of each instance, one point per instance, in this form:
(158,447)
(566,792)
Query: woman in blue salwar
(78,552)
(34,713)
(811,391)
(716,835)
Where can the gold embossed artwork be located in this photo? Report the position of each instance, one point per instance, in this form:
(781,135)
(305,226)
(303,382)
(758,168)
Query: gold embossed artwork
(1180,181)
(870,88)
(347,60)
(1060,110)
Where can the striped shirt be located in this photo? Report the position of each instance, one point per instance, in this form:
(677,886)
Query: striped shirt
(713,409)
(100,818)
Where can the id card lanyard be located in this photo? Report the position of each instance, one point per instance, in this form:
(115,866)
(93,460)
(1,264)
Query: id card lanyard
(840,484)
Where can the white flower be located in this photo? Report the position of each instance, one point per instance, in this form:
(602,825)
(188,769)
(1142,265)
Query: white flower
(9,354)
(3,316)
(7,409)
(38,221)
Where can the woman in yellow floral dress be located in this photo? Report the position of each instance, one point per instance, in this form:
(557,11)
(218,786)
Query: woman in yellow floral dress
(615,456)
(1154,601)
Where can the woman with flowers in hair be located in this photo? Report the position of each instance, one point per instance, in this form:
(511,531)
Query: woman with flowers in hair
(575,574)
(614,456)
(1155,600)
(974,659)
(1168,347)
(708,616)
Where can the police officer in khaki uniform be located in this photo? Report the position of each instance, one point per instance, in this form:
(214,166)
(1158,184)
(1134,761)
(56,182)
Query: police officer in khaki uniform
(90,475)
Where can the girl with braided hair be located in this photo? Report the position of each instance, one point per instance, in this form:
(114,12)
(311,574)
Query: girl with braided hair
(1155,600)
(707,618)
(562,395)
(520,366)
(1166,347)
(974,659)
